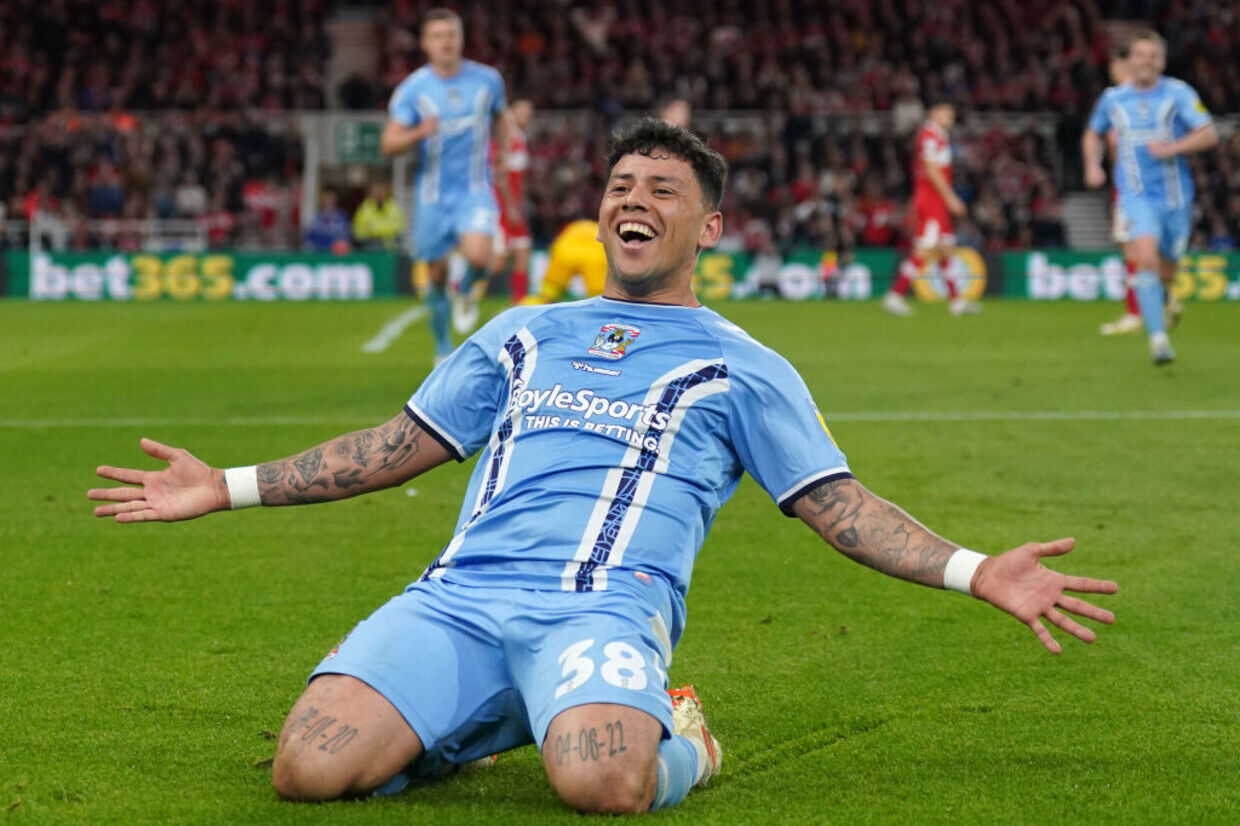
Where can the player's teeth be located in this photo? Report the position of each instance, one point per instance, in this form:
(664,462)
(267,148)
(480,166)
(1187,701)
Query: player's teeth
(638,228)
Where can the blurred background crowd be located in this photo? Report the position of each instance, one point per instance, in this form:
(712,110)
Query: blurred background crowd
(156,110)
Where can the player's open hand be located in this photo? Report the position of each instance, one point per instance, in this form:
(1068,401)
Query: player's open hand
(186,489)
(1017,582)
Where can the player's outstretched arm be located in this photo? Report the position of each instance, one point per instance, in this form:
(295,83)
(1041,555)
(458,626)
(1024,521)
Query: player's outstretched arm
(876,533)
(360,462)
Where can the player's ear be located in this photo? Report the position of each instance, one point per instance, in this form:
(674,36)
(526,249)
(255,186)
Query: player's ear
(712,228)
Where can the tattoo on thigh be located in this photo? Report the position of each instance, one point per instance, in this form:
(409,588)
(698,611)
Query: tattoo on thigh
(589,745)
(313,726)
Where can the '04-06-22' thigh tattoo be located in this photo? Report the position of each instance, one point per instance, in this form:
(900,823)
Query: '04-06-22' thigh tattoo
(590,744)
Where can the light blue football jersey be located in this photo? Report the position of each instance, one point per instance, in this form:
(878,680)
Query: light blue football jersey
(456,158)
(611,432)
(1167,111)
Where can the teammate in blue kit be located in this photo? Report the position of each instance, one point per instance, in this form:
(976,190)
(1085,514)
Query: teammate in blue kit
(610,432)
(1157,120)
(449,108)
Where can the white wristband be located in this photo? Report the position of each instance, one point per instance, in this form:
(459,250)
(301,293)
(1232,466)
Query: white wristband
(242,484)
(961,566)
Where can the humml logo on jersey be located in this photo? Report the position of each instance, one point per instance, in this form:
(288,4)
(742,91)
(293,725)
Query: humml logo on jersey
(613,340)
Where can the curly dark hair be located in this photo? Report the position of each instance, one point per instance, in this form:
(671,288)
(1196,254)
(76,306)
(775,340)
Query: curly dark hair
(648,135)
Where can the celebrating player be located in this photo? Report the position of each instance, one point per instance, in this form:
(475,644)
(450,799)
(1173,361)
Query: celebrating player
(611,431)
(1157,120)
(934,204)
(514,237)
(449,108)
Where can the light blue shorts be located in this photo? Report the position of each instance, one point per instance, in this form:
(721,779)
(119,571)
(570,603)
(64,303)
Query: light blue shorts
(477,671)
(1143,216)
(438,226)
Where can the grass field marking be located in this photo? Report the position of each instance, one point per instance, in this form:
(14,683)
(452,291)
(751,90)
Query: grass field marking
(392,330)
(882,417)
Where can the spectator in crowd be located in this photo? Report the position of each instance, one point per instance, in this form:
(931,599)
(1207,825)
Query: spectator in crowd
(379,221)
(219,223)
(145,55)
(191,197)
(328,230)
(94,167)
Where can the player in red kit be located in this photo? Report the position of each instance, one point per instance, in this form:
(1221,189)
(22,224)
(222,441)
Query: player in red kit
(514,238)
(934,205)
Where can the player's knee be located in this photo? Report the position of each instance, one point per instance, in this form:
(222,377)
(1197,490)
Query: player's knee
(613,790)
(303,780)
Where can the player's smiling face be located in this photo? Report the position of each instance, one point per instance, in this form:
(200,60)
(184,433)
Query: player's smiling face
(1146,61)
(652,223)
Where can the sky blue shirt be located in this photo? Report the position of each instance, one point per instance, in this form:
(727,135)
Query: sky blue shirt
(1167,111)
(610,434)
(456,158)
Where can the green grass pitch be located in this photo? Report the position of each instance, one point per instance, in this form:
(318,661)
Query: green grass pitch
(145,667)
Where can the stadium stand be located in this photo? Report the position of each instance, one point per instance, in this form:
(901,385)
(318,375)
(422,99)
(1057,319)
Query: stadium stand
(120,114)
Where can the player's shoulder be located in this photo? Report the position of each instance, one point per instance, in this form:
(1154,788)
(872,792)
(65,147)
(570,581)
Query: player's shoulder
(1179,88)
(744,354)
(417,78)
(1110,93)
(513,320)
(481,70)
(414,83)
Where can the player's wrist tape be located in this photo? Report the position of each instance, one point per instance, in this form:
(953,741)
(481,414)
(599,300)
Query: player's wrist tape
(242,484)
(961,566)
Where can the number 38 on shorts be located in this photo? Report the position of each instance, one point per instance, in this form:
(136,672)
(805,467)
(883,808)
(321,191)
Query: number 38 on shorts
(617,663)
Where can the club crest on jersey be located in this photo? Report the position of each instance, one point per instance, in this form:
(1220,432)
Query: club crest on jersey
(613,340)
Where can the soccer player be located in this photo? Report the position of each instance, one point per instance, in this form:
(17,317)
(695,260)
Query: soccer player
(449,109)
(1130,321)
(611,430)
(1157,121)
(514,236)
(575,251)
(934,204)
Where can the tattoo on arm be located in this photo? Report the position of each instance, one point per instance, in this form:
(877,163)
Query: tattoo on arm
(355,463)
(875,532)
(589,745)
